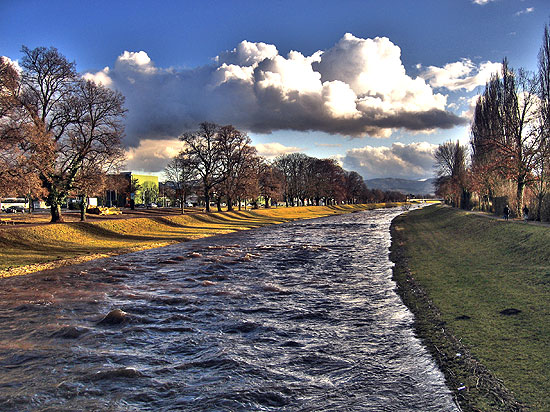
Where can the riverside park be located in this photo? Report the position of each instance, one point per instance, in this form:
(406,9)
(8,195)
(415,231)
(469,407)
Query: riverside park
(284,206)
(479,309)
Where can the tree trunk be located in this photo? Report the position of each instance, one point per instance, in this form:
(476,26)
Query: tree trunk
(519,196)
(207,200)
(55,210)
(31,206)
(229,204)
(266,202)
(83,209)
(55,199)
(540,197)
(240,201)
(219,204)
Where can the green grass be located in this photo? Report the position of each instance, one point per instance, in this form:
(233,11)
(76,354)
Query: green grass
(476,267)
(23,245)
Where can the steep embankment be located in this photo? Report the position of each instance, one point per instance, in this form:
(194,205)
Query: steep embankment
(25,249)
(480,290)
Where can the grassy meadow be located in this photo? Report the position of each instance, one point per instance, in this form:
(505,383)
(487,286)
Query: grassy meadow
(28,248)
(480,290)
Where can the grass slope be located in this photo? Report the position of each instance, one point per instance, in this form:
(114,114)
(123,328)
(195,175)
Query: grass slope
(457,272)
(24,249)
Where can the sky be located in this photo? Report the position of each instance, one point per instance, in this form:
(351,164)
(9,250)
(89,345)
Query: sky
(375,84)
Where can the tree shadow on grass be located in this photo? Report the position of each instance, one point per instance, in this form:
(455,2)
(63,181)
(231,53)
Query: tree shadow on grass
(215,219)
(167,222)
(258,216)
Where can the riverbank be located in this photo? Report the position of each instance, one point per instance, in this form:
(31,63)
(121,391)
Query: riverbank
(27,249)
(479,289)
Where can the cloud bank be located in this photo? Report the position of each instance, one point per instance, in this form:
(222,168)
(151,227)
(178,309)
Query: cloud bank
(407,161)
(358,87)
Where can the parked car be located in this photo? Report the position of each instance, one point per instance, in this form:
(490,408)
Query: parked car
(15,209)
(151,205)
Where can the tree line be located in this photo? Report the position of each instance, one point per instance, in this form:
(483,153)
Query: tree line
(60,135)
(221,164)
(509,157)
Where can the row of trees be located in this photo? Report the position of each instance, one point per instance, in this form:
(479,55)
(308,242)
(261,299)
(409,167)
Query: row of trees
(59,134)
(221,163)
(510,146)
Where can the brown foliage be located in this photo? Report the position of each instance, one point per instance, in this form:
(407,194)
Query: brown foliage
(59,134)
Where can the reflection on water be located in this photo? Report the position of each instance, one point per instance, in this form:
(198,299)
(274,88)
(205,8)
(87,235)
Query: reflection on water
(297,317)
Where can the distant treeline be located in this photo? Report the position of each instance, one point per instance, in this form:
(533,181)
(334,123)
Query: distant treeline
(220,163)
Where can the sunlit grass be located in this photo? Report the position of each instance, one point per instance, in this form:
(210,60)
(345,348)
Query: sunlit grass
(476,267)
(28,245)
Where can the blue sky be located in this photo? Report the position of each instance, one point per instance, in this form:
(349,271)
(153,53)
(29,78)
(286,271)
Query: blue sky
(376,84)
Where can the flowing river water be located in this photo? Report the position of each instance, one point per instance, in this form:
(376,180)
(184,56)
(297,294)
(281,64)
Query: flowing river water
(294,317)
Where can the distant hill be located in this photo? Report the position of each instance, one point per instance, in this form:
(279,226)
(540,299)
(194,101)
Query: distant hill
(406,186)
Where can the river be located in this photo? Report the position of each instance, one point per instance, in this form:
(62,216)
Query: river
(295,317)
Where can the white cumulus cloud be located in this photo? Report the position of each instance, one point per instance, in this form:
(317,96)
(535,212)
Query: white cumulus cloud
(139,61)
(408,161)
(356,88)
(101,77)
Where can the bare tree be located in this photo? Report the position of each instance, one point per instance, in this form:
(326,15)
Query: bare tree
(92,143)
(451,171)
(202,148)
(237,158)
(9,85)
(182,173)
(282,164)
(294,167)
(270,181)
(81,120)
(542,166)
(326,181)
(48,80)
(133,187)
(503,131)
(24,149)
(354,187)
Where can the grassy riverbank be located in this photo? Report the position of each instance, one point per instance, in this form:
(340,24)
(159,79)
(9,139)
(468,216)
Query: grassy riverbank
(480,290)
(29,248)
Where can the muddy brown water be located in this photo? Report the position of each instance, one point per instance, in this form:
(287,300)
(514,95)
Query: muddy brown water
(295,317)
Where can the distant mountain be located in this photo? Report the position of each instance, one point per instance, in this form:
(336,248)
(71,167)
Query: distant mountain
(406,186)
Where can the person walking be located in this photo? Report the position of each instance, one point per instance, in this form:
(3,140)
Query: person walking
(506,212)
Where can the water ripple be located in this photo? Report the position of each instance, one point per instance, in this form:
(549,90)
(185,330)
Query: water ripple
(297,317)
